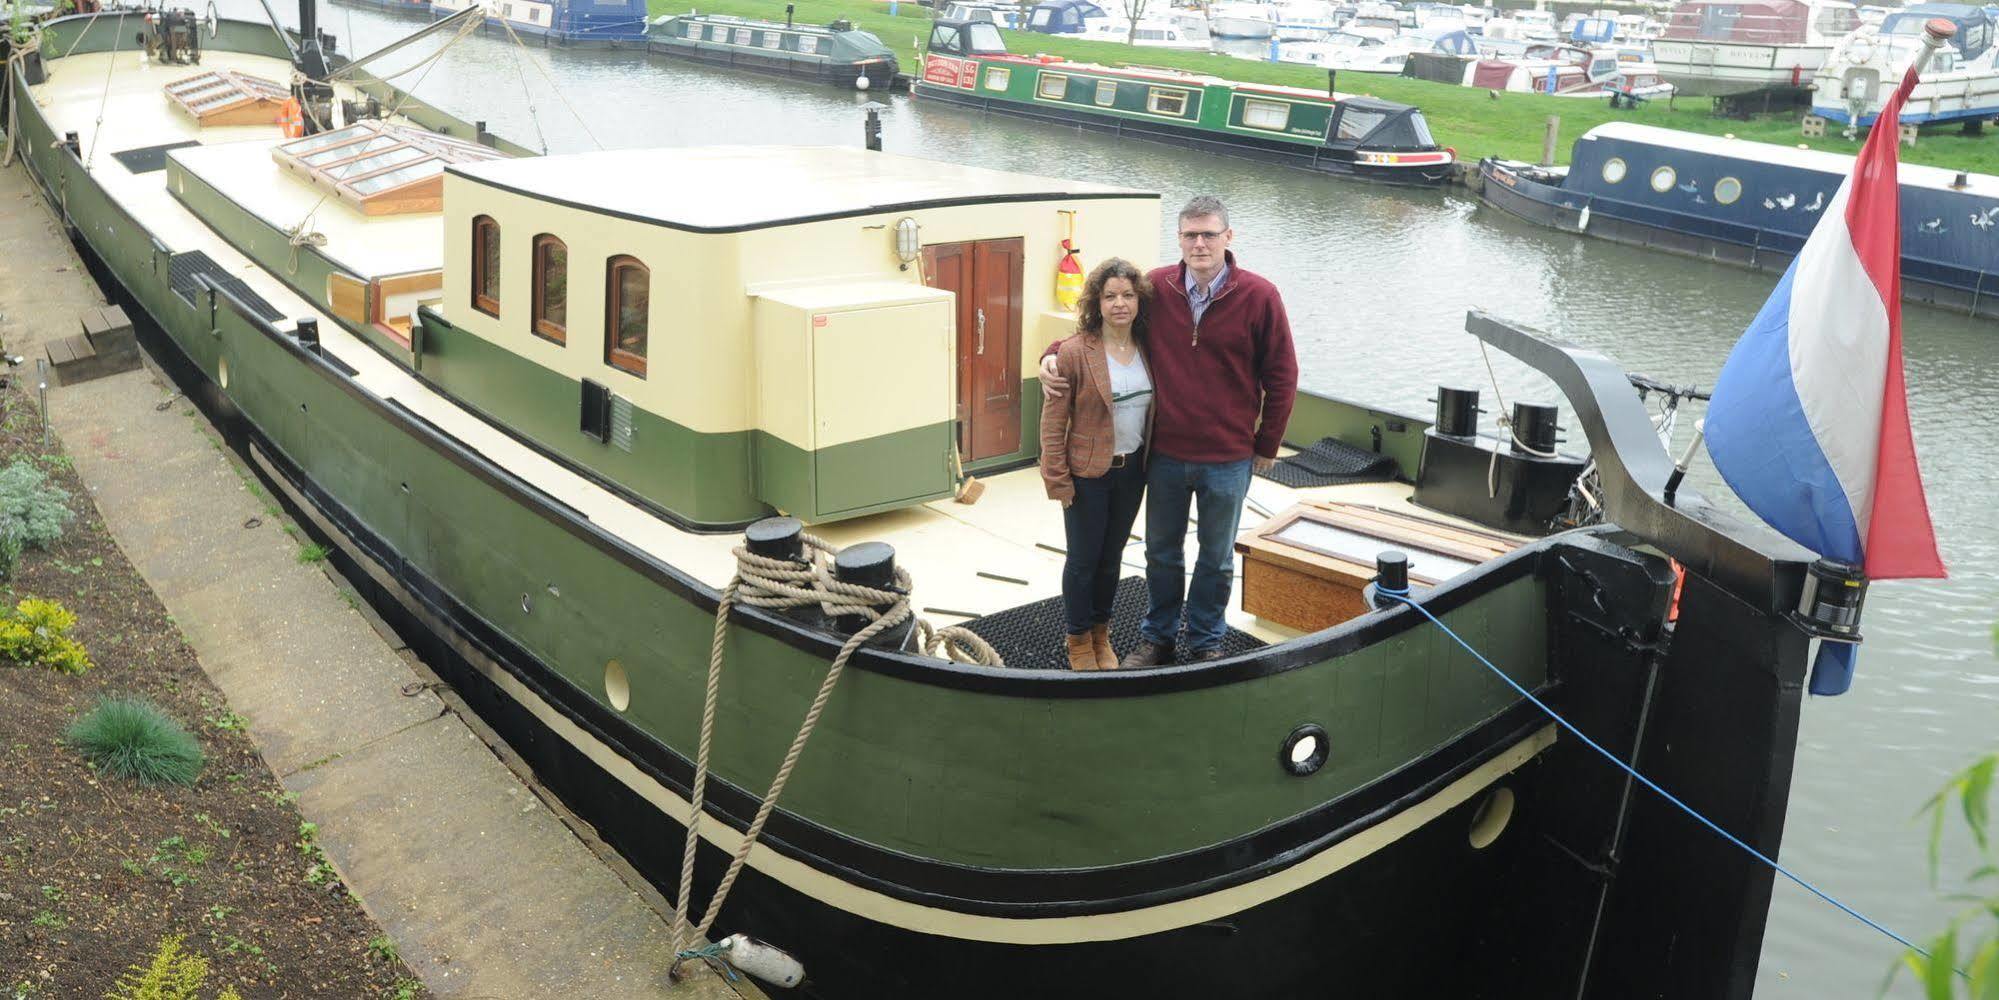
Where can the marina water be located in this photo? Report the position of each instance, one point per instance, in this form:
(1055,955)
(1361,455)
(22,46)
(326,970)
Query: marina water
(1377,283)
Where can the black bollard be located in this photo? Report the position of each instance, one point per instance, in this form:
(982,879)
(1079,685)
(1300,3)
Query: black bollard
(1457,412)
(307,333)
(871,131)
(870,564)
(777,538)
(72,143)
(1533,428)
(1391,577)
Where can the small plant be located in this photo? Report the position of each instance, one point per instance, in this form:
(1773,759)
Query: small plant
(404,989)
(171,974)
(381,947)
(49,920)
(313,553)
(37,632)
(132,738)
(229,722)
(33,513)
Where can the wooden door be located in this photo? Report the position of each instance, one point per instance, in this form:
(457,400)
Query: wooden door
(985,276)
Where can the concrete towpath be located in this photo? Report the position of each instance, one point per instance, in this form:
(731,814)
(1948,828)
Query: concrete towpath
(487,890)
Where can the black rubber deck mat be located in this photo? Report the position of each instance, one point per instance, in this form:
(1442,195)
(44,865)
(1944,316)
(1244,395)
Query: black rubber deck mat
(182,268)
(1030,636)
(146,159)
(1332,462)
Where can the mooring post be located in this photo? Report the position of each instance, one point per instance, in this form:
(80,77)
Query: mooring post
(871,130)
(1548,140)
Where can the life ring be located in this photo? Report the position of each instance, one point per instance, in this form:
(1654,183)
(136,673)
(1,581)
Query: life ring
(291,119)
(1861,50)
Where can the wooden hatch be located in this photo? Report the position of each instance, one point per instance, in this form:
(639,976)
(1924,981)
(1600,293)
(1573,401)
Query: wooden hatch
(1306,567)
(379,168)
(226,97)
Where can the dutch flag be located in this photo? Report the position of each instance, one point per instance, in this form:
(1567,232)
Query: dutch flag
(1809,423)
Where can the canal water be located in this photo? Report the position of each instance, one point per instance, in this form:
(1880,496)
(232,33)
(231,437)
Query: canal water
(1377,283)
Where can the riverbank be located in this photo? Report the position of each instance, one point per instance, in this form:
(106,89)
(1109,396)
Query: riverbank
(1470,120)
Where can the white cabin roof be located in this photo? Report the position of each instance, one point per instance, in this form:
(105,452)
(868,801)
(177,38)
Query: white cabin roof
(1912,174)
(733,188)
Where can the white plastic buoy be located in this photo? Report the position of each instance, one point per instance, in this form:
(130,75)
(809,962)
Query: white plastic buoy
(762,960)
(860,83)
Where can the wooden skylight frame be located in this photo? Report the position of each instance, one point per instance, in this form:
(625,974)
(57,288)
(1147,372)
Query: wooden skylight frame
(226,97)
(379,168)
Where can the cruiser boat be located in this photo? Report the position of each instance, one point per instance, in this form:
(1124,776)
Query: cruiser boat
(1363,51)
(1305,20)
(1522,26)
(1180,31)
(1724,48)
(439,352)
(1242,20)
(1961,82)
(1005,15)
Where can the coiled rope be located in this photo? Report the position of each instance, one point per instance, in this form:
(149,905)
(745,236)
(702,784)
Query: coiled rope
(764,582)
(1771,863)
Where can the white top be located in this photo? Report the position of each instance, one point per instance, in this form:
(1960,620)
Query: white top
(1131,402)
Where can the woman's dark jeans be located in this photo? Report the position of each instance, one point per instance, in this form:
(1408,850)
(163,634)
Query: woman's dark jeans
(1098,522)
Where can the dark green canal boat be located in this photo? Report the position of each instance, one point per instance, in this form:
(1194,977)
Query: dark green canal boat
(535,401)
(836,53)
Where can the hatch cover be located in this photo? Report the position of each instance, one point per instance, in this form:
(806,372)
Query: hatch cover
(183,268)
(146,159)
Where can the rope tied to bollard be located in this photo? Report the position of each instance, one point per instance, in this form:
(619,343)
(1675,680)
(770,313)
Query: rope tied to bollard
(775,583)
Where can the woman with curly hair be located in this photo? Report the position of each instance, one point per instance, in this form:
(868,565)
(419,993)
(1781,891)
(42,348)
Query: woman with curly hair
(1093,450)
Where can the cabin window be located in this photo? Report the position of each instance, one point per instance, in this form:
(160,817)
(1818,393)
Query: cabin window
(997,77)
(551,289)
(486,265)
(508,10)
(808,43)
(1106,92)
(1728,190)
(1272,115)
(773,40)
(1166,102)
(1355,124)
(534,14)
(626,297)
(1663,179)
(688,30)
(1613,170)
(1053,86)
(717,33)
(742,36)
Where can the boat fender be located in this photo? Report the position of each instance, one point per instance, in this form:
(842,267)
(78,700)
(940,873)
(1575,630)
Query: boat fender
(761,960)
(1069,278)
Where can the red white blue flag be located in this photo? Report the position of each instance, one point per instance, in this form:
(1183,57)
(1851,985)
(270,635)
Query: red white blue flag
(1809,423)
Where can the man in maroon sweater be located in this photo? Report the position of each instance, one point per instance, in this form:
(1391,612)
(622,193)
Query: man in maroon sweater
(1219,348)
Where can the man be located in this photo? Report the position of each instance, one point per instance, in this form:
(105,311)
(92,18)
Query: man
(1219,347)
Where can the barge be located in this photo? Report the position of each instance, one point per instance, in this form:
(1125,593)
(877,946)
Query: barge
(577,23)
(966,63)
(836,53)
(440,352)
(1753,204)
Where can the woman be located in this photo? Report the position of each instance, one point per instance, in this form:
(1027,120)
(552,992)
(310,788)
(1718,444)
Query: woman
(1093,450)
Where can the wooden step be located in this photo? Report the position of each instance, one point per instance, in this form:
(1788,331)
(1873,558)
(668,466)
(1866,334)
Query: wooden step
(105,347)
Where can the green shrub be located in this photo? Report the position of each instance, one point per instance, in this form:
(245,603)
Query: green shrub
(32,512)
(37,632)
(132,738)
(171,974)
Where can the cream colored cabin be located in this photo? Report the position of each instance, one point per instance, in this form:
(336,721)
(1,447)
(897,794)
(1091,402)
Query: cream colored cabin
(858,321)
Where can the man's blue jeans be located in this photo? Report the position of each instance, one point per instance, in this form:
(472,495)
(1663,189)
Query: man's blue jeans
(1215,491)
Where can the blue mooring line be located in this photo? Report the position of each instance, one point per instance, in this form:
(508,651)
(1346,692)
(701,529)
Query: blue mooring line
(1403,596)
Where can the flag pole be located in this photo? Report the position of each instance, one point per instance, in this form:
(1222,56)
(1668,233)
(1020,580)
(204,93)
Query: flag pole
(1936,31)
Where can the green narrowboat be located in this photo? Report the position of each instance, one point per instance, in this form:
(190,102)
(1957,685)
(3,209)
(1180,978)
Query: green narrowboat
(835,53)
(535,401)
(966,63)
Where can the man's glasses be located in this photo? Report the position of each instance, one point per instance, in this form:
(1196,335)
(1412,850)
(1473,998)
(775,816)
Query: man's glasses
(1202,237)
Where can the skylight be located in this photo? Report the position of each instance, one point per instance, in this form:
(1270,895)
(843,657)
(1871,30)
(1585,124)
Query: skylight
(381,169)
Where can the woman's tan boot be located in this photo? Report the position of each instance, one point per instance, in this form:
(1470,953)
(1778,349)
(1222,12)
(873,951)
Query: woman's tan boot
(1082,654)
(1100,641)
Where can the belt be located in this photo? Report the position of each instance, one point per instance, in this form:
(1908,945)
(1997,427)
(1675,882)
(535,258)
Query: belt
(1120,461)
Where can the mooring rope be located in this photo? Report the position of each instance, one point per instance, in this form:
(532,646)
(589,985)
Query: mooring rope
(552,85)
(1404,597)
(764,582)
(1506,421)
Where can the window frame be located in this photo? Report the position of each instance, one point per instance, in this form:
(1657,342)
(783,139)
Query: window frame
(538,321)
(1152,100)
(1283,107)
(1041,86)
(485,236)
(1106,99)
(996,78)
(615,356)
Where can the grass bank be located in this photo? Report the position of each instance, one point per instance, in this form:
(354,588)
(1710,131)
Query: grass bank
(1468,119)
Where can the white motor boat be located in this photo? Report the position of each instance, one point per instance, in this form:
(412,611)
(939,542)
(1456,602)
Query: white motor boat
(1242,20)
(1522,26)
(1366,50)
(1721,48)
(1960,83)
(1305,20)
(1179,31)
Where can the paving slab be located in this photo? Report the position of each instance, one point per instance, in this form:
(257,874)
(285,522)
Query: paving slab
(486,891)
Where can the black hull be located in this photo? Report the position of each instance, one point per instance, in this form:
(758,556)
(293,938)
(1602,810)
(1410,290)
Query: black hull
(1557,208)
(879,76)
(1317,159)
(1590,891)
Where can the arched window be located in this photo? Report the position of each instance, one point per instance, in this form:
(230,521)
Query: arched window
(627,295)
(486,265)
(551,289)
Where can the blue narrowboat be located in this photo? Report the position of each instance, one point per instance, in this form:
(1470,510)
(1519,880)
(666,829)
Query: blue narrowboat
(421,8)
(591,23)
(1752,203)
(1062,17)
(835,53)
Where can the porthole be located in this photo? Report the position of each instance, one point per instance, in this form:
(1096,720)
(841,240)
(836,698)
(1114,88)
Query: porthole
(1663,179)
(1728,190)
(1492,817)
(527,607)
(222,372)
(1613,170)
(1305,750)
(617,687)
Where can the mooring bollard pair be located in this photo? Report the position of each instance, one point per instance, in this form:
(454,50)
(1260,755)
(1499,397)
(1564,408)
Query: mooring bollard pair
(864,564)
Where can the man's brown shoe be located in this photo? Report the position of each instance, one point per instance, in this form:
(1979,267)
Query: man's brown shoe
(1100,641)
(1148,654)
(1082,653)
